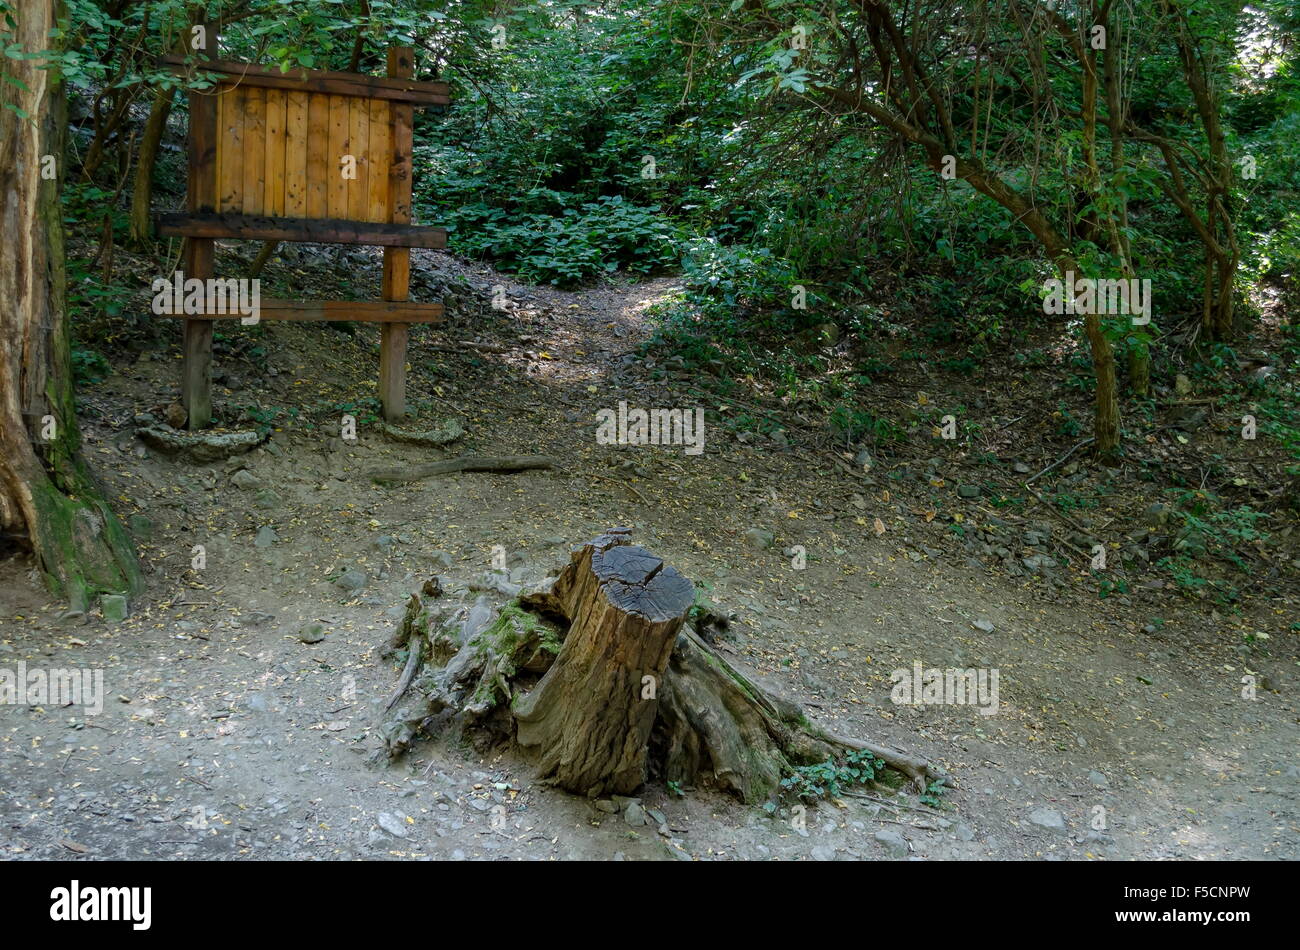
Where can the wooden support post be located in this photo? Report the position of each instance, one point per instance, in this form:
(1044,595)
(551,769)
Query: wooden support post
(397,260)
(196,367)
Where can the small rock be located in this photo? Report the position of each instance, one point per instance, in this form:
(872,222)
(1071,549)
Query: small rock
(968,491)
(1038,562)
(634,815)
(176,416)
(1048,818)
(266,537)
(352,579)
(113,607)
(985,626)
(1096,778)
(311,633)
(244,479)
(894,843)
(394,825)
(759,539)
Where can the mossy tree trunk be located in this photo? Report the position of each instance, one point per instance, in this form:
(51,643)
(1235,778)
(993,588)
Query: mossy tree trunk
(146,160)
(48,499)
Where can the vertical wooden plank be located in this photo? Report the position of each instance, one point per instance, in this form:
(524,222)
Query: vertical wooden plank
(397,260)
(219,104)
(337,186)
(201,195)
(275,152)
(359,137)
(196,359)
(230,180)
(318,150)
(399,176)
(295,155)
(379,162)
(201,191)
(254,151)
(392,369)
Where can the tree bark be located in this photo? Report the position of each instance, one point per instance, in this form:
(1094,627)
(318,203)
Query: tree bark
(1222,254)
(48,498)
(142,187)
(590,716)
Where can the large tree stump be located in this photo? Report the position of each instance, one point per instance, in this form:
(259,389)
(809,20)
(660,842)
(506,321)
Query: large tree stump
(590,716)
(597,675)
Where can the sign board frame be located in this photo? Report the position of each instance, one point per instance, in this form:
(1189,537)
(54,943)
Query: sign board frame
(311,156)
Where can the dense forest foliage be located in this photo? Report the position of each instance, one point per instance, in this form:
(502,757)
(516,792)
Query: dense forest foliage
(849,190)
(759,146)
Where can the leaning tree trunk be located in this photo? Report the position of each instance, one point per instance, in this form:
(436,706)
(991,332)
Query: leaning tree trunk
(146,160)
(47,496)
(596,674)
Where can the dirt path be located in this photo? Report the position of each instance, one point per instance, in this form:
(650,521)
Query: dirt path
(225,735)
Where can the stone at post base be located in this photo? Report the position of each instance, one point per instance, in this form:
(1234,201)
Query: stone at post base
(113,607)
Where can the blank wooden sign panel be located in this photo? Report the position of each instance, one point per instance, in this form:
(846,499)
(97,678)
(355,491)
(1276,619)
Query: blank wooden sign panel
(311,156)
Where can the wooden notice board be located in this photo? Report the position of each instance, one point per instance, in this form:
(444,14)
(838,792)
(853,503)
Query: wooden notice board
(311,156)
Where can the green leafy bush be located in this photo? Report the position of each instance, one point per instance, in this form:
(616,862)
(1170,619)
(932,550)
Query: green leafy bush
(571,247)
(811,782)
(88,366)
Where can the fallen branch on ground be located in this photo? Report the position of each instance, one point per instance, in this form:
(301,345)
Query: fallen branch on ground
(466,463)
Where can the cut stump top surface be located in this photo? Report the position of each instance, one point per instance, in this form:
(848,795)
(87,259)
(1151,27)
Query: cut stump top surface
(638,582)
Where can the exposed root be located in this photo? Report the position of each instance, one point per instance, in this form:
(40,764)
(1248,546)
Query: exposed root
(466,463)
